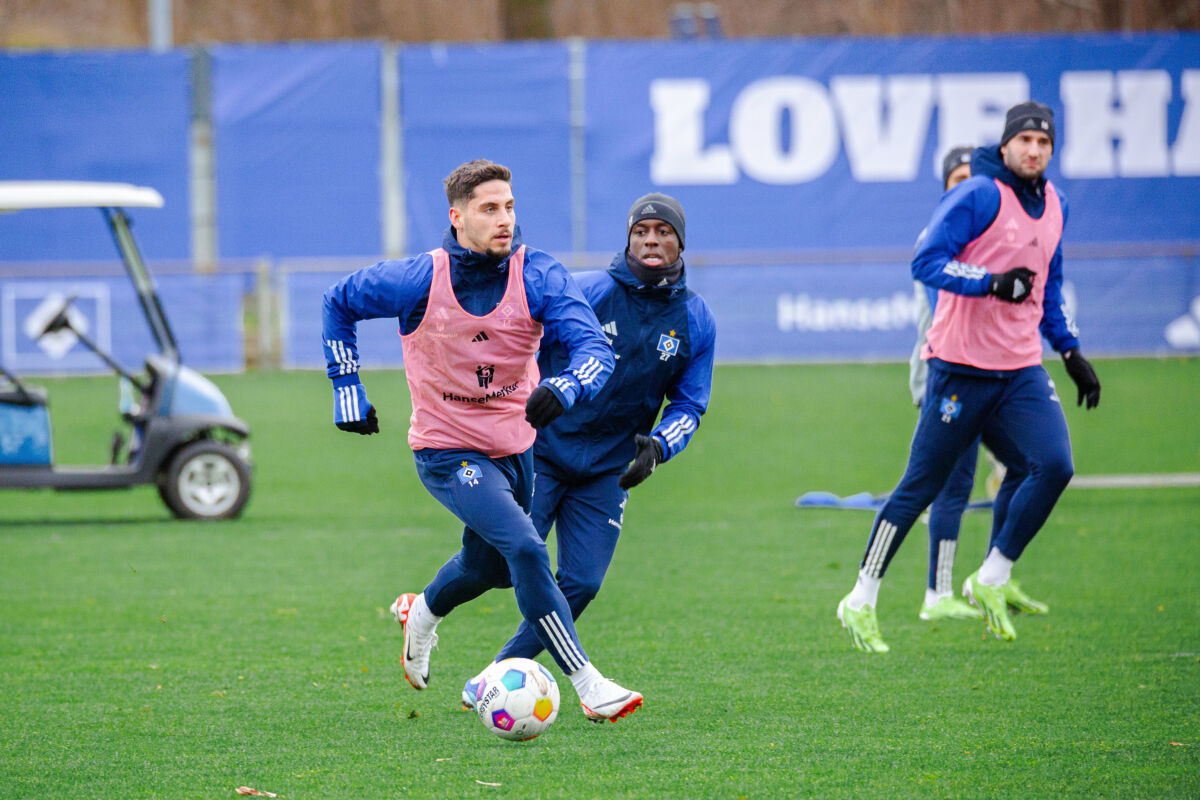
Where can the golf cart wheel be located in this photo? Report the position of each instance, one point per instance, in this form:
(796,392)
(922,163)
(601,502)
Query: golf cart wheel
(206,480)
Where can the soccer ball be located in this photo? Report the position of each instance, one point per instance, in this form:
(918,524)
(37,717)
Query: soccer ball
(516,699)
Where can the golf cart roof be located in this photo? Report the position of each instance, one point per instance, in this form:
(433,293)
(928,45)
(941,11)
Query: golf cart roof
(16,195)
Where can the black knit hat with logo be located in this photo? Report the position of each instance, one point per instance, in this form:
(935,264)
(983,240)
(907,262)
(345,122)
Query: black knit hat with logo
(1028,116)
(657,206)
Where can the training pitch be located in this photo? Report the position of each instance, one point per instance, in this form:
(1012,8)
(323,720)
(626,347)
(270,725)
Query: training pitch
(142,657)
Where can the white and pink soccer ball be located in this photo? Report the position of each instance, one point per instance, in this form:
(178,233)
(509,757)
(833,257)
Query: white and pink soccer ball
(516,698)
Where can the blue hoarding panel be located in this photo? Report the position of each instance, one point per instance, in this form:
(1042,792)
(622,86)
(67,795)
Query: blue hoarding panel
(205,313)
(788,312)
(815,312)
(95,117)
(297,141)
(378,339)
(819,312)
(506,103)
(837,142)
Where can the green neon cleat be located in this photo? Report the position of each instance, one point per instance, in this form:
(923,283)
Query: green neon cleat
(949,608)
(863,628)
(995,607)
(1021,603)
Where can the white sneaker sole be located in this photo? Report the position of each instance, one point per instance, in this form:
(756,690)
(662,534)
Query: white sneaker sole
(629,704)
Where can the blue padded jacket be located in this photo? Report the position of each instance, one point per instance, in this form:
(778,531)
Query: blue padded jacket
(664,339)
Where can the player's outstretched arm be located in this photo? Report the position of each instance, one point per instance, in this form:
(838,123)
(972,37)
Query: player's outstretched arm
(556,301)
(389,288)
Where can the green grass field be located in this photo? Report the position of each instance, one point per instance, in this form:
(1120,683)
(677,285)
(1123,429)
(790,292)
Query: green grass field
(142,657)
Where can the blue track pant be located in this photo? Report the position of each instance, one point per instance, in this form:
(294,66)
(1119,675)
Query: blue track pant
(945,517)
(945,513)
(586,516)
(1020,419)
(500,546)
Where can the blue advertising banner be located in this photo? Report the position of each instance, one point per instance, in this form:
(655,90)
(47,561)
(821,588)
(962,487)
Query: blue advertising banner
(95,117)
(205,312)
(507,103)
(296,134)
(831,143)
(774,144)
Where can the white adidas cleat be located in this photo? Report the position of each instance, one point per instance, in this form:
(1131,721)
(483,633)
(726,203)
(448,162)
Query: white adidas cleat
(606,700)
(417,647)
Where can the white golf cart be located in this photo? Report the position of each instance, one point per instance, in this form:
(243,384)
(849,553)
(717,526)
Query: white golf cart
(182,434)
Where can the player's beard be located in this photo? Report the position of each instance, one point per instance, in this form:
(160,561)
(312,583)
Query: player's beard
(1021,172)
(1032,176)
(486,243)
(500,253)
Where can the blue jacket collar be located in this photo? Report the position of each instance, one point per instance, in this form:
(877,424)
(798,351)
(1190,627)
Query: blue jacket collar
(620,272)
(471,259)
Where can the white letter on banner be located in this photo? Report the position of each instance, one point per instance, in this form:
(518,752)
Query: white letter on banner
(1139,125)
(879,150)
(1185,155)
(756,130)
(971,109)
(679,156)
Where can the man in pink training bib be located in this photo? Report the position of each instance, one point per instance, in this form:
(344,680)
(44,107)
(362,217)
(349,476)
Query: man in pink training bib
(993,251)
(471,315)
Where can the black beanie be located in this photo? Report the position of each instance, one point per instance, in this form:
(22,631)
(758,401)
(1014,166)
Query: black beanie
(657,206)
(953,160)
(1028,116)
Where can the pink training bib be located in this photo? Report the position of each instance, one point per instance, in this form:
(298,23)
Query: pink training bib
(987,332)
(470,376)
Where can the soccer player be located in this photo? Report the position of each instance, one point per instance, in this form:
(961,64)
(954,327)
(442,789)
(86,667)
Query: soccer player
(471,315)
(589,458)
(993,249)
(945,513)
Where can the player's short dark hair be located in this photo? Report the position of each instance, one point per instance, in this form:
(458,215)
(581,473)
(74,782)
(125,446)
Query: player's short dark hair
(460,184)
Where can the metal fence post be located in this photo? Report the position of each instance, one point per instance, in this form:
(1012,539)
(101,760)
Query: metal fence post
(391,173)
(202,166)
(576,74)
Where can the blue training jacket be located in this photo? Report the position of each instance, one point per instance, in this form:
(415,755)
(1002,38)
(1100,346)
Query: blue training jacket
(400,288)
(663,338)
(963,214)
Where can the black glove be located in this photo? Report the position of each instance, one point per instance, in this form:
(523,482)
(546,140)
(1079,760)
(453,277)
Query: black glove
(1012,286)
(542,407)
(649,453)
(1084,376)
(365,426)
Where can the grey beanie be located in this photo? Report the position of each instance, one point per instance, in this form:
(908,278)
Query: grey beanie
(1028,116)
(953,160)
(657,206)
